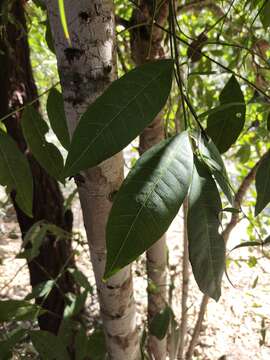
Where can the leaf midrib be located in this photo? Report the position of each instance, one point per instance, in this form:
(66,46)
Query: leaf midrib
(115,116)
(170,155)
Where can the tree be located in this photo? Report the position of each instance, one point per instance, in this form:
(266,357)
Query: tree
(18,88)
(105,114)
(146,45)
(85,72)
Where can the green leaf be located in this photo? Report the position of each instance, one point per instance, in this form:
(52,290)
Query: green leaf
(40,3)
(41,290)
(262,182)
(48,36)
(224,126)
(3,127)
(148,201)
(97,345)
(47,154)
(231,210)
(212,158)
(247,244)
(160,323)
(244,153)
(7,345)
(206,245)
(265,15)
(15,173)
(268,122)
(35,235)
(81,279)
(48,345)
(57,117)
(76,304)
(119,115)
(18,310)
(81,345)
(66,331)
(61,6)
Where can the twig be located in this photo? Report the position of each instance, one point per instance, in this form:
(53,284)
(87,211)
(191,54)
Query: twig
(197,329)
(216,62)
(239,197)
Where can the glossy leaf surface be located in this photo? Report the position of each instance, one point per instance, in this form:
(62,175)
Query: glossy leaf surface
(206,245)
(148,201)
(119,115)
(224,126)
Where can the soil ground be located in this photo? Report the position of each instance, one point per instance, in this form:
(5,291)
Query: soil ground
(236,327)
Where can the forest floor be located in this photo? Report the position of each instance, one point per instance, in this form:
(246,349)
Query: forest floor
(238,326)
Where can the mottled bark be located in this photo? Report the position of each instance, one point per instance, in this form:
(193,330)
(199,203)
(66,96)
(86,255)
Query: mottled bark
(86,68)
(18,88)
(146,45)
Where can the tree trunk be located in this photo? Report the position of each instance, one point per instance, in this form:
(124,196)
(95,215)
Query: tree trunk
(18,88)
(145,46)
(86,68)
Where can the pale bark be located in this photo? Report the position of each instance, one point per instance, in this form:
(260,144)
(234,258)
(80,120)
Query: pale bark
(145,46)
(86,68)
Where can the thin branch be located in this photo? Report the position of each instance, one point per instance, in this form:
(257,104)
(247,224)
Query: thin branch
(201,5)
(217,63)
(197,329)
(123,22)
(238,200)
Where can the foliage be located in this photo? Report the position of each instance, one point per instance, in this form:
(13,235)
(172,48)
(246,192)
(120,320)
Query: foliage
(219,97)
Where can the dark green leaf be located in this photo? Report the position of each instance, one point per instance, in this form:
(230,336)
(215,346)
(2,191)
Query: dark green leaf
(231,210)
(148,201)
(66,330)
(81,345)
(160,323)
(252,243)
(212,158)
(48,37)
(244,153)
(40,3)
(224,126)
(219,109)
(35,236)
(48,345)
(262,182)
(119,115)
(6,346)
(81,279)
(76,304)
(57,117)
(247,244)
(47,154)
(97,346)
(206,245)
(15,173)
(268,122)
(265,15)
(18,310)
(40,290)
